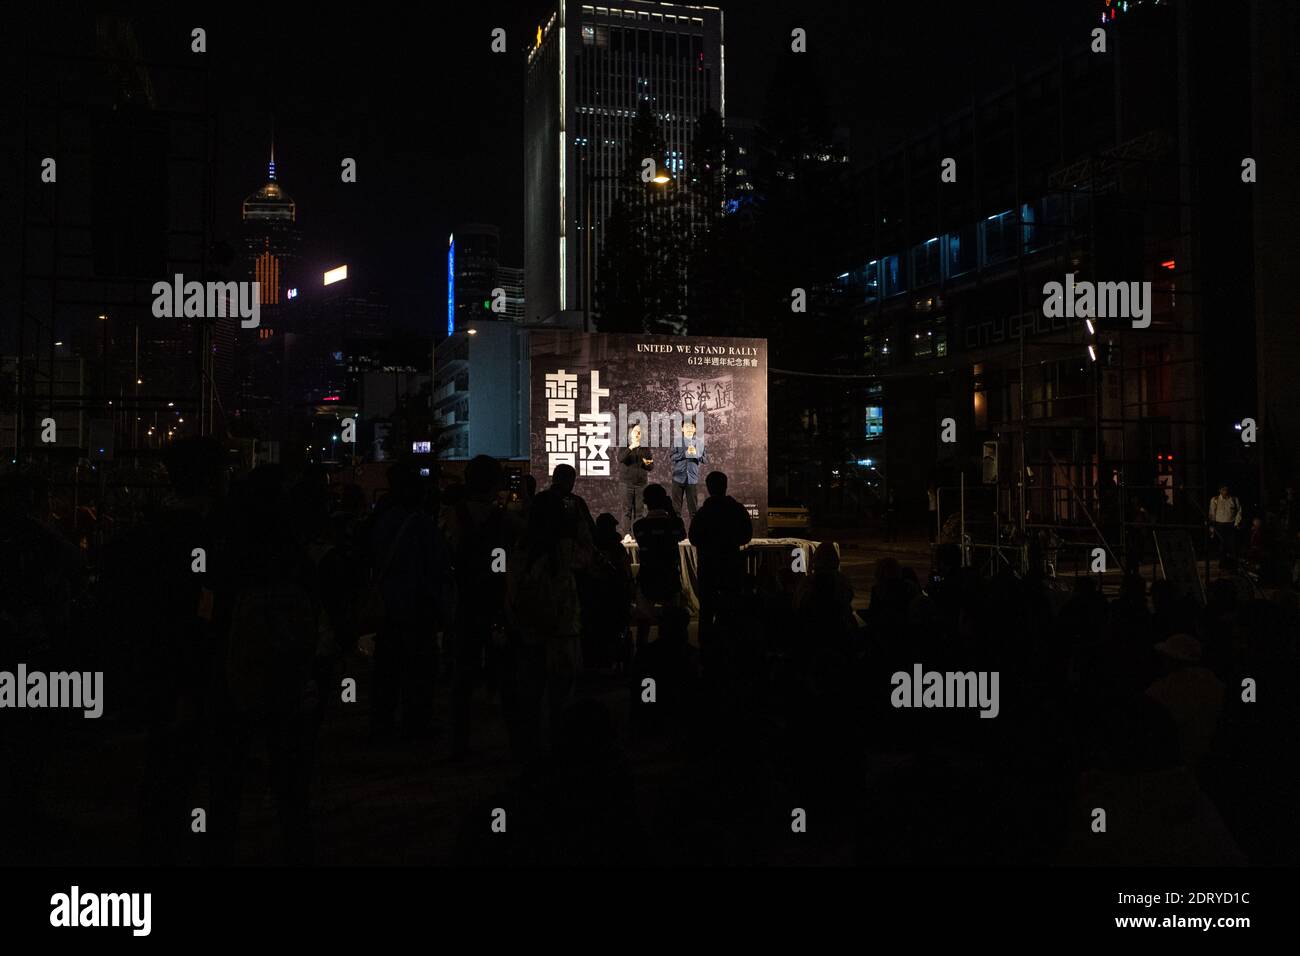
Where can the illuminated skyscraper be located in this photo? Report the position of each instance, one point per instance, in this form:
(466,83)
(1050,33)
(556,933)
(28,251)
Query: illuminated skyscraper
(272,241)
(589,71)
(474,275)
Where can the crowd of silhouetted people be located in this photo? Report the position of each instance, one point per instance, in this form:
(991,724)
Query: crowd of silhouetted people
(749,685)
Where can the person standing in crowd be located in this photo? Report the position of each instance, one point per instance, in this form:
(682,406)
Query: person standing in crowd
(267,685)
(175,615)
(576,515)
(825,597)
(1191,694)
(719,530)
(546,615)
(659,580)
(636,462)
(413,575)
(614,588)
(39,574)
(932,511)
(891,517)
(1289,511)
(688,456)
(481,535)
(1225,516)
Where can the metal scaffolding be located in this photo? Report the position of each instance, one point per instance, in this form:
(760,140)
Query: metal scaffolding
(69,290)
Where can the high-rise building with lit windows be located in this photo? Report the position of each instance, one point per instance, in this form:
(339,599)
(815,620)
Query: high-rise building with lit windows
(473,276)
(272,242)
(589,70)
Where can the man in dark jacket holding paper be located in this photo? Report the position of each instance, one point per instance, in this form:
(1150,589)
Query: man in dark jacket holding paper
(637,461)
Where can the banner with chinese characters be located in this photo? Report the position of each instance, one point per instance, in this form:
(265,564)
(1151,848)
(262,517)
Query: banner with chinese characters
(589,390)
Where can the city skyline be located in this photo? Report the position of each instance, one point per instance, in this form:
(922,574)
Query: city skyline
(749,435)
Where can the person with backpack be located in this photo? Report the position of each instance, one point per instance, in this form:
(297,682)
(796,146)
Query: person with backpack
(175,620)
(611,585)
(267,686)
(659,580)
(481,534)
(38,574)
(545,615)
(575,510)
(719,530)
(414,582)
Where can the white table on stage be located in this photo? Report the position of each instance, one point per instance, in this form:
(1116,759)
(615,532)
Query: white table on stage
(757,553)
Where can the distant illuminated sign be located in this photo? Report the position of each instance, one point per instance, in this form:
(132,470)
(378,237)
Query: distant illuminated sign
(421,447)
(451,284)
(336,275)
(292,294)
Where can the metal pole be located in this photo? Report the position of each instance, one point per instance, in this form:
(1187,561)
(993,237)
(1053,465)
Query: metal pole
(963,520)
(938,513)
(135,427)
(586,268)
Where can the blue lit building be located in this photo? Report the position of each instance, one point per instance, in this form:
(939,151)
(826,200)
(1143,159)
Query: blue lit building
(473,272)
(1075,168)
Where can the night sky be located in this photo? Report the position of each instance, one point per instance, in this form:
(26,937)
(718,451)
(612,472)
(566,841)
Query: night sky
(434,118)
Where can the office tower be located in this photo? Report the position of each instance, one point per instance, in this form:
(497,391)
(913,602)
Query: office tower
(272,242)
(511,280)
(589,71)
(472,253)
(473,276)
(480,394)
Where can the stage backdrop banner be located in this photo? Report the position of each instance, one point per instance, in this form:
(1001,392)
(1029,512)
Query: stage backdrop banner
(588,389)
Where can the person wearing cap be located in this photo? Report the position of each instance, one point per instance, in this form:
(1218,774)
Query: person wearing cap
(1190,693)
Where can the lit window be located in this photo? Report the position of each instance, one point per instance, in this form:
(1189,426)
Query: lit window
(875,421)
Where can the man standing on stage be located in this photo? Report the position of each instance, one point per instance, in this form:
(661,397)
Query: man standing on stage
(688,456)
(636,461)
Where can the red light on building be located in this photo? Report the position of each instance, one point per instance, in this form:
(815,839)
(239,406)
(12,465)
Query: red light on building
(1168,264)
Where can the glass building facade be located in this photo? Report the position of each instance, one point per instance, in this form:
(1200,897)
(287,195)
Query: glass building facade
(589,71)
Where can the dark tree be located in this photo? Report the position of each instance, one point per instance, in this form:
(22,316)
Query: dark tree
(644,251)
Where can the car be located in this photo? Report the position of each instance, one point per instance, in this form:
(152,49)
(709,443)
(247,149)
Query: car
(786,514)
